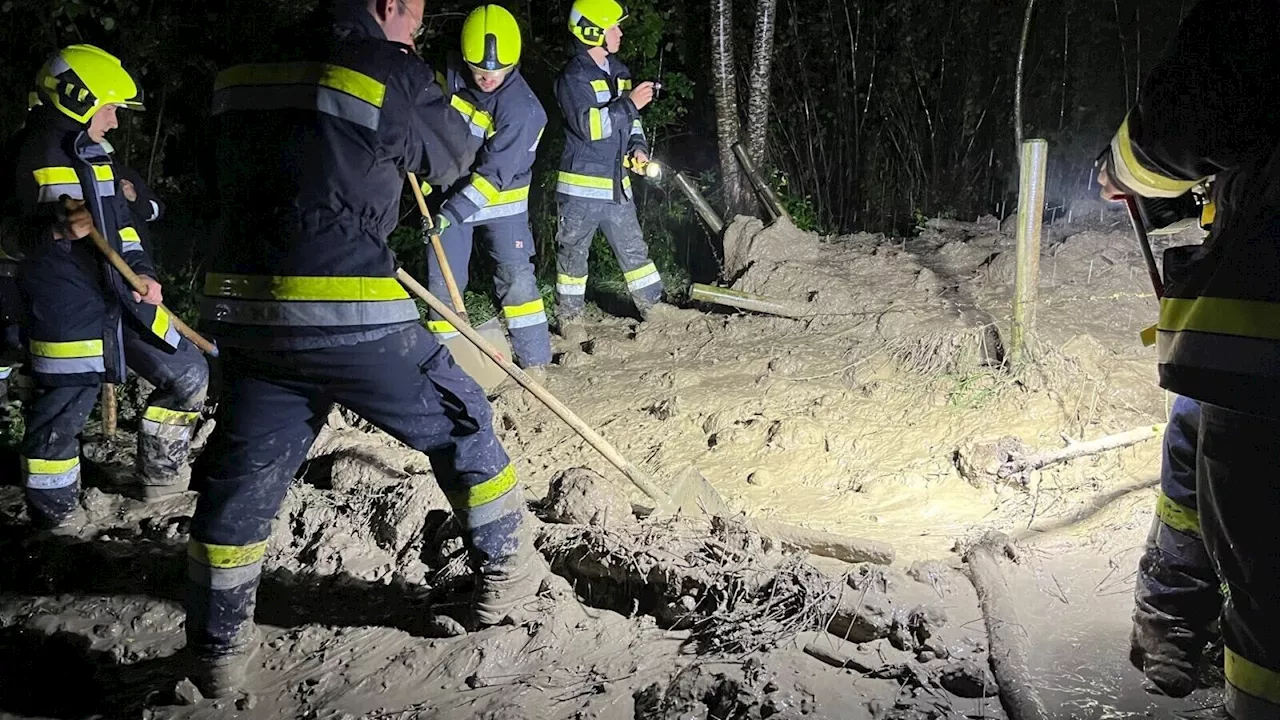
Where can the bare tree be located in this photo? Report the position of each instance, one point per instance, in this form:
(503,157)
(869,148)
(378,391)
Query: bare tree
(726,93)
(761,80)
(1018,128)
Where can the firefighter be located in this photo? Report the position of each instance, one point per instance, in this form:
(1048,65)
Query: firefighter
(1206,111)
(83,323)
(508,119)
(302,297)
(604,144)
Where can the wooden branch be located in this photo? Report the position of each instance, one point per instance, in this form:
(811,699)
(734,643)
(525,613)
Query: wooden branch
(825,544)
(1027,463)
(1005,635)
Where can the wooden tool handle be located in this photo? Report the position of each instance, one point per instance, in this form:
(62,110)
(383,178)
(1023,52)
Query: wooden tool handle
(602,446)
(454,296)
(1140,231)
(140,286)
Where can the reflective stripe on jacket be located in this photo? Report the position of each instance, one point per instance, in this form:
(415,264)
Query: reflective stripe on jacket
(1209,110)
(498,186)
(602,126)
(75,298)
(312,157)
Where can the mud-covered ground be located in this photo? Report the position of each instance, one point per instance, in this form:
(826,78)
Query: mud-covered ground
(883,413)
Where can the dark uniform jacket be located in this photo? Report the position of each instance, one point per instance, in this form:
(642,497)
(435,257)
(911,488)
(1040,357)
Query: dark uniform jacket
(1209,109)
(510,125)
(74,300)
(311,160)
(602,128)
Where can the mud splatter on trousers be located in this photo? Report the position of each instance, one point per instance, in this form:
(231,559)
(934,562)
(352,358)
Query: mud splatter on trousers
(273,406)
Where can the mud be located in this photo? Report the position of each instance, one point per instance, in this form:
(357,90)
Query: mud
(878,415)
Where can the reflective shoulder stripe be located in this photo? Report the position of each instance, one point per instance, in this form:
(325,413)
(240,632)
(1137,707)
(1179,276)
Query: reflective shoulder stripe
(602,90)
(1255,681)
(336,77)
(55,176)
(296,288)
(170,417)
(486,492)
(54,182)
(481,121)
(322,87)
(1134,175)
(1247,318)
(72,349)
(1182,519)
(624,84)
(226,556)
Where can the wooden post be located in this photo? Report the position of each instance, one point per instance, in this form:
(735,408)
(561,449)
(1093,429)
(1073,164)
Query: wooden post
(1026,287)
(705,211)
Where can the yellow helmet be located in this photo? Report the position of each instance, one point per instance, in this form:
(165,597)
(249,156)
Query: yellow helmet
(81,79)
(589,19)
(491,38)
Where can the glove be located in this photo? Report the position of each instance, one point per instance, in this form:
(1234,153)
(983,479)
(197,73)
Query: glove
(441,222)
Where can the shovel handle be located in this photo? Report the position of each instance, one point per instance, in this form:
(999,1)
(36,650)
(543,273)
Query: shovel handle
(610,453)
(1140,232)
(140,286)
(454,296)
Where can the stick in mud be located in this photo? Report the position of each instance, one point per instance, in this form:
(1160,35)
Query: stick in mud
(743,301)
(767,197)
(1040,460)
(1005,635)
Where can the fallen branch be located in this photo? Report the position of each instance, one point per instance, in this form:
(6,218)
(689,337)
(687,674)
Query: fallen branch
(1005,635)
(1026,463)
(836,658)
(825,544)
(746,301)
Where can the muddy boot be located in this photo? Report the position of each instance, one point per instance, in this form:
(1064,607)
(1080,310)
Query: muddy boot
(506,591)
(538,373)
(662,312)
(1164,663)
(573,330)
(223,676)
(75,526)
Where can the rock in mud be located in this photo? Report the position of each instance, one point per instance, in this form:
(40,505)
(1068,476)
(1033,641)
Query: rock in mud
(583,497)
(968,679)
(978,462)
(186,693)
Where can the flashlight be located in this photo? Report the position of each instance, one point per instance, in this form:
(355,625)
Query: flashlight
(653,170)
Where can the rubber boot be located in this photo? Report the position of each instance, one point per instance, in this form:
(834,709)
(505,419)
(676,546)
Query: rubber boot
(506,591)
(1164,645)
(224,675)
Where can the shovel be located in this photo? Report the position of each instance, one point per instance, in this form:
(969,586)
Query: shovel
(473,362)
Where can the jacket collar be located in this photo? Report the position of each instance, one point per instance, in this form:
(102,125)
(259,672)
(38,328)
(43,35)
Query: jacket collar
(352,18)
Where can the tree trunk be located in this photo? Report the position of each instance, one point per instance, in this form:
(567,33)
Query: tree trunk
(728,125)
(1018,128)
(761,81)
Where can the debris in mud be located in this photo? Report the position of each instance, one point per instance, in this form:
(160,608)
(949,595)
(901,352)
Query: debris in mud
(583,497)
(979,462)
